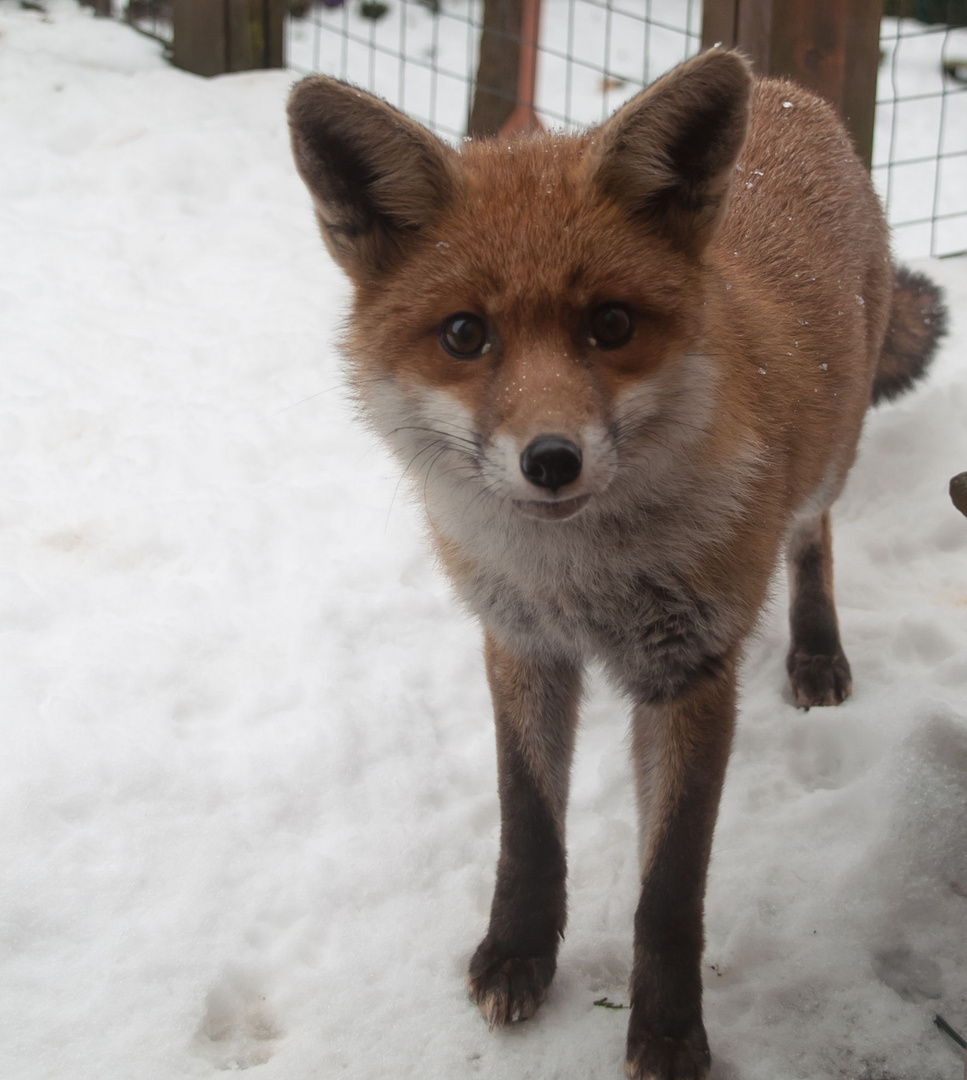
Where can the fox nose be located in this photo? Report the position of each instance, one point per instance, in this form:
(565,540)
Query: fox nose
(551,461)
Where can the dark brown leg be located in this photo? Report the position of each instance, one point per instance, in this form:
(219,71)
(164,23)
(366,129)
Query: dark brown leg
(818,669)
(535,707)
(681,748)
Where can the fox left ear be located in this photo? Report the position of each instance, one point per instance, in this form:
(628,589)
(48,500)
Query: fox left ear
(376,177)
(670,152)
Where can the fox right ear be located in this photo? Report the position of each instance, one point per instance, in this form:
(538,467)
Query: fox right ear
(669,153)
(375,176)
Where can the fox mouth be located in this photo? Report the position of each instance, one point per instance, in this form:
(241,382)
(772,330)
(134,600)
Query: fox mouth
(552,510)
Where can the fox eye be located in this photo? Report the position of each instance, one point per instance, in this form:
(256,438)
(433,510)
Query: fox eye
(611,326)
(464,336)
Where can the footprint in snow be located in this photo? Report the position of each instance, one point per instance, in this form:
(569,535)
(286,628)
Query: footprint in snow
(237,1030)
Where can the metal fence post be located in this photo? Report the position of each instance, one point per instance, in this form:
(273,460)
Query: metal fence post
(829,46)
(524,117)
(503,99)
(496,82)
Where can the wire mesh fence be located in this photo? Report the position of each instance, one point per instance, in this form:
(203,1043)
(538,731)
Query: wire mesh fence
(420,59)
(594,54)
(422,55)
(920,138)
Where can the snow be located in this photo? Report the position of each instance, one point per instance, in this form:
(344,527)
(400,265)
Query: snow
(247,790)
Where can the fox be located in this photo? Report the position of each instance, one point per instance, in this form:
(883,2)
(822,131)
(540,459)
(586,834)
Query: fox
(626,370)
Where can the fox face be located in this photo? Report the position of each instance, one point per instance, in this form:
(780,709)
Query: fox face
(623,369)
(531,398)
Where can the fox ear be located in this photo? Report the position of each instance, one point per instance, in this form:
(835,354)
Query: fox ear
(670,152)
(376,177)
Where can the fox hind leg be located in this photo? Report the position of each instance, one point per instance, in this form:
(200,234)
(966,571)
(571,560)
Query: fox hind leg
(818,670)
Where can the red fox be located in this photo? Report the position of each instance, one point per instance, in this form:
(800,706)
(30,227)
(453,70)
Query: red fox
(625,369)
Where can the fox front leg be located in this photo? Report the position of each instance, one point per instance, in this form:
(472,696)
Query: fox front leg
(535,709)
(680,748)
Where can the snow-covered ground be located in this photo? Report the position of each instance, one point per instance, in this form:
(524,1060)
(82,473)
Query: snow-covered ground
(247,804)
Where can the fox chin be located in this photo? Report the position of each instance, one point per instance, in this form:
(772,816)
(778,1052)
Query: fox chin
(626,370)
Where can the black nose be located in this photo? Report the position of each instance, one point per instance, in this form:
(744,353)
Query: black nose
(551,461)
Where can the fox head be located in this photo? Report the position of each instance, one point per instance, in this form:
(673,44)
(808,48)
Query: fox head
(527,325)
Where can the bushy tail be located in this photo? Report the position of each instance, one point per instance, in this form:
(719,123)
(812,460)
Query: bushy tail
(918,320)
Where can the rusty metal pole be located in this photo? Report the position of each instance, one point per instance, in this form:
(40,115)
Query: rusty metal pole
(503,98)
(524,117)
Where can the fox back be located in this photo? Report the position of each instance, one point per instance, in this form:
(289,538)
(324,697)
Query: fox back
(624,369)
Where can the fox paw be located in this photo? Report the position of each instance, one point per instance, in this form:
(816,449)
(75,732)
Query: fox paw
(508,989)
(652,1057)
(819,680)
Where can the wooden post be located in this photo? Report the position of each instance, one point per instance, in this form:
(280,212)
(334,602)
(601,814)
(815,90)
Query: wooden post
(275,12)
(212,37)
(830,46)
(198,28)
(245,33)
